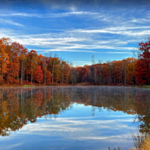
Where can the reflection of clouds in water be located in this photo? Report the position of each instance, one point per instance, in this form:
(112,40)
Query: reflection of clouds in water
(121,138)
(82,129)
(87,132)
(90,117)
(58,128)
(11,146)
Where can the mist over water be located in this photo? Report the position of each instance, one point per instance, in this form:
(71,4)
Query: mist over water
(94,117)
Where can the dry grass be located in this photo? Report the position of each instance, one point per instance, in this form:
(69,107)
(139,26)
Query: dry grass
(141,142)
(146,144)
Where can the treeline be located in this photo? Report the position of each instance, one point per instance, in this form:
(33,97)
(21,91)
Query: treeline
(127,71)
(115,72)
(19,66)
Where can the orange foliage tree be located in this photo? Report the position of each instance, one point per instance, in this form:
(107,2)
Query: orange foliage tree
(4,58)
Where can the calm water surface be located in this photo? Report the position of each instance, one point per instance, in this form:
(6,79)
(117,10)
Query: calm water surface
(64,118)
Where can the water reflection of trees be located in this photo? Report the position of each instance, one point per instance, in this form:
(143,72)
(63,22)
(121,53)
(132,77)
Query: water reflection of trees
(18,106)
(143,110)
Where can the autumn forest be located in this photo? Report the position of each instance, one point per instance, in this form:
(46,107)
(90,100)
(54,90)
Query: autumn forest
(18,65)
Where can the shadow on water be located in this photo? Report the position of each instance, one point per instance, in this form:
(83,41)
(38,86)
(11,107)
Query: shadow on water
(19,106)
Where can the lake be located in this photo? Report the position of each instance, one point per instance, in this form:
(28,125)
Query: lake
(64,118)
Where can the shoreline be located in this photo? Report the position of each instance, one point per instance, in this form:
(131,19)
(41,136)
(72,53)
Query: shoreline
(63,85)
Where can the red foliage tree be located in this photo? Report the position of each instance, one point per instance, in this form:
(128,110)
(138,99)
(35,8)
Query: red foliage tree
(142,70)
(38,75)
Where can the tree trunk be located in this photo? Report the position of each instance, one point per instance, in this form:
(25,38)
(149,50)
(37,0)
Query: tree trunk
(21,71)
(2,72)
(45,76)
(53,74)
(31,77)
(125,74)
(62,75)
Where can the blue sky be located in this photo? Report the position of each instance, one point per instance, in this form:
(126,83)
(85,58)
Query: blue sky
(76,30)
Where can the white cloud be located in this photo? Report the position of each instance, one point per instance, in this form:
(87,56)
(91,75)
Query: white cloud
(67,50)
(5,21)
(140,20)
(72,13)
(11,146)
(120,52)
(21,15)
(113,31)
(35,40)
(115,138)
(81,47)
(51,15)
(128,28)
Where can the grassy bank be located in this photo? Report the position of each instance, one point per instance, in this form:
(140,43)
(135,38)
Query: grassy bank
(28,85)
(146,86)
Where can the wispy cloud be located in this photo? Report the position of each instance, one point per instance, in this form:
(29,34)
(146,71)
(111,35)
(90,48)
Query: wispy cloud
(128,28)
(51,15)
(11,146)
(7,32)
(140,20)
(120,52)
(113,31)
(81,47)
(31,40)
(65,50)
(72,13)
(22,15)
(5,21)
